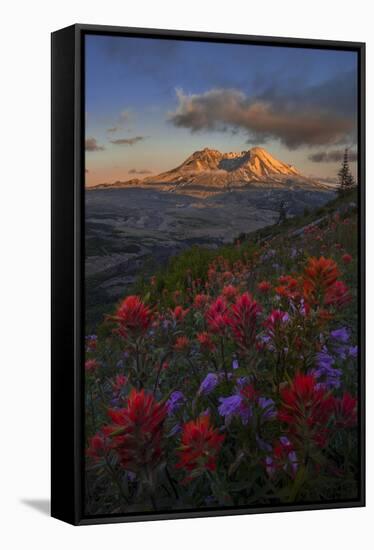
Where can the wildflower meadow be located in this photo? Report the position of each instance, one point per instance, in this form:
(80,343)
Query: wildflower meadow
(229,377)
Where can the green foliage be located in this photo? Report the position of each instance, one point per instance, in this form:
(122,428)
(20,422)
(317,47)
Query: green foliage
(190,265)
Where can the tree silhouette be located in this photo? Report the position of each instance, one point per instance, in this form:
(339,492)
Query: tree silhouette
(282,212)
(346,180)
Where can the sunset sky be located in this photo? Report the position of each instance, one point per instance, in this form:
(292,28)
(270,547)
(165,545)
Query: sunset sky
(151,103)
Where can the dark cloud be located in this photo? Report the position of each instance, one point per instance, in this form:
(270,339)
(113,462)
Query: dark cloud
(127,141)
(335,155)
(112,130)
(318,115)
(91,144)
(134,171)
(337,95)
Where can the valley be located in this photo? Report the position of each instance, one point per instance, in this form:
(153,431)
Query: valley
(133,231)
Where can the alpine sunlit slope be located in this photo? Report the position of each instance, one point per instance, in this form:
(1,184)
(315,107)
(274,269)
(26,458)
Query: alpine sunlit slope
(211,168)
(209,171)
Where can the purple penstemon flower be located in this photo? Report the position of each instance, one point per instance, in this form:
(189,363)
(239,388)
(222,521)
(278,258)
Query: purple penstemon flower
(269,466)
(235,364)
(302,307)
(327,375)
(267,341)
(328,378)
(292,458)
(288,461)
(324,359)
(235,405)
(341,352)
(230,406)
(175,401)
(268,407)
(242,381)
(165,325)
(353,351)
(341,335)
(208,384)
(131,476)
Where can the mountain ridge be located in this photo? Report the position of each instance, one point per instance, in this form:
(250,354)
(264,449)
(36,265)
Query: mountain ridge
(214,171)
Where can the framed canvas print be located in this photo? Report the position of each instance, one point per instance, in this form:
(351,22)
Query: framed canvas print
(207,274)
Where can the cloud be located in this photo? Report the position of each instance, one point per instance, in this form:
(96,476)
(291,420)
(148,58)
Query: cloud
(335,155)
(134,171)
(127,141)
(112,130)
(91,144)
(304,118)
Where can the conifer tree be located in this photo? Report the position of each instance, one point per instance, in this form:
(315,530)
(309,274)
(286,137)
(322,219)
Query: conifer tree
(346,180)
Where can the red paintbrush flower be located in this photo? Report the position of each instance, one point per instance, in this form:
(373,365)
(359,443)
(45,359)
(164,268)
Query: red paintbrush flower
(91,365)
(99,446)
(319,276)
(200,301)
(137,429)
(229,292)
(337,295)
(248,392)
(133,316)
(307,410)
(200,444)
(178,313)
(264,287)
(346,411)
(243,319)
(289,287)
(217,316)
(205,341)
(182,344)
(119,381)
(347,258)
(276,320)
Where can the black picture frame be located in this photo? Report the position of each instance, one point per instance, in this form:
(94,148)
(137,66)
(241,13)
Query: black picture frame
(68,170)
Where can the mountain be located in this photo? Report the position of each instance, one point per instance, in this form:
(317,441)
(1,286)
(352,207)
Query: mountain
(210,171)
(255,165)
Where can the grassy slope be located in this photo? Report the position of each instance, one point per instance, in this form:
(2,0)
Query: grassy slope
(195,261)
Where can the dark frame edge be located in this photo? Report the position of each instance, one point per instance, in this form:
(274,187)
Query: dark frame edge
(98,520)
(362,264)
(218,36)
(64,368)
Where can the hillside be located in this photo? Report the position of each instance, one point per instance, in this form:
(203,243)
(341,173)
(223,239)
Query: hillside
(253,346)
(285,237)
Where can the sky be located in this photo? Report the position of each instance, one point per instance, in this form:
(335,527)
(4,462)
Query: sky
(150,103)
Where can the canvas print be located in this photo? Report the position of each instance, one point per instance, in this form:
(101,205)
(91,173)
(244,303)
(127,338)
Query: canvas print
(221,275)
